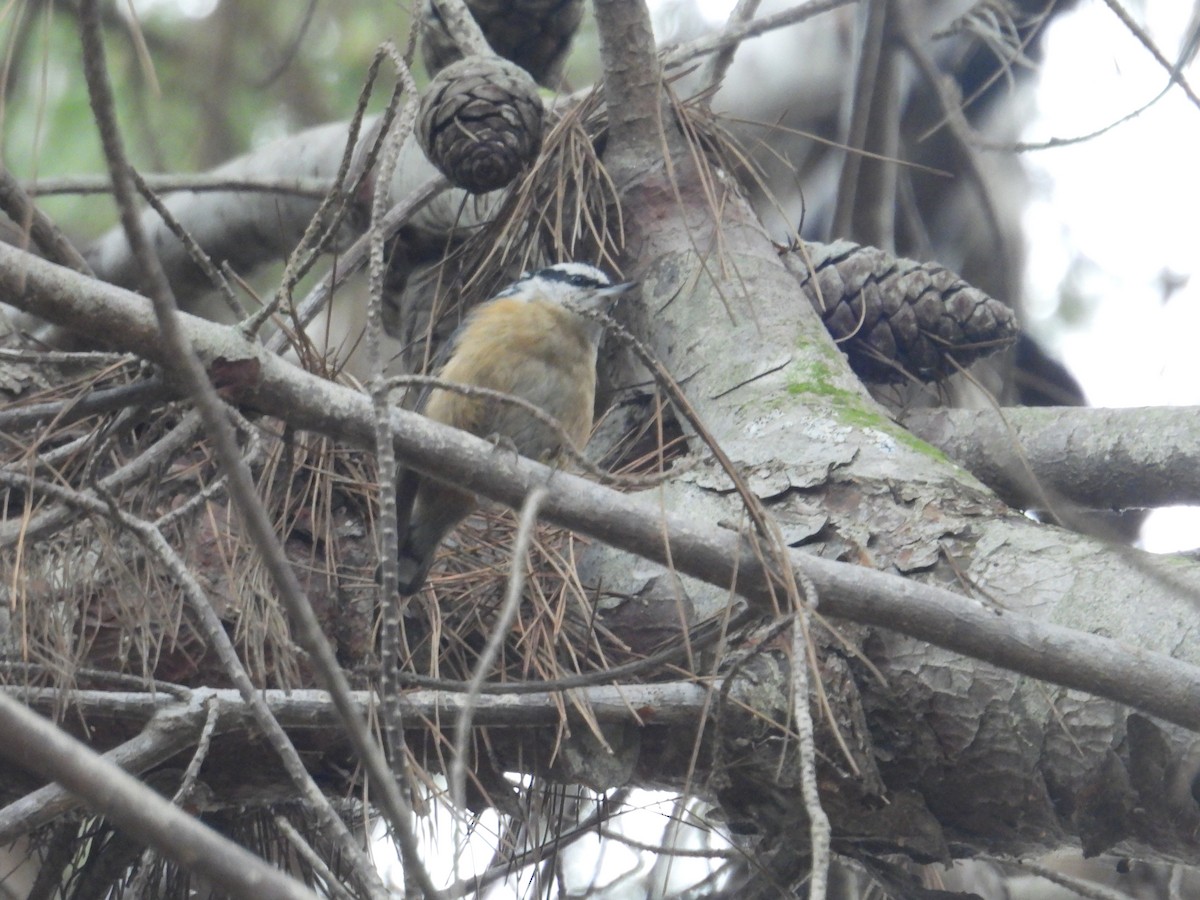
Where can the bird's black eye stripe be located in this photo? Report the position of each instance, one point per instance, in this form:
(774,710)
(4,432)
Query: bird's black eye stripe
(574,279)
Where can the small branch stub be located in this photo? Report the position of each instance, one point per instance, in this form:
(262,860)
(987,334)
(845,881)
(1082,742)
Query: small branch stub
(898,319)
(534,34)
(481,122)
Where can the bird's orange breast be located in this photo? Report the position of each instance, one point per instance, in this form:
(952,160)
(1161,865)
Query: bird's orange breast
(536,350)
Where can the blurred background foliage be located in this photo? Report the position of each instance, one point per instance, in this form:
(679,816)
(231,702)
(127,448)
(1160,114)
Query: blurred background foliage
(197,82)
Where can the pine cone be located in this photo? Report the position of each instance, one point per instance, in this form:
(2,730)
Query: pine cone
(481,122)
(535,34)
(897,318)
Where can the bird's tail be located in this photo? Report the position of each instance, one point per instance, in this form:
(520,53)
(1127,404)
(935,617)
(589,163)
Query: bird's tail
(413,568)
(426,511)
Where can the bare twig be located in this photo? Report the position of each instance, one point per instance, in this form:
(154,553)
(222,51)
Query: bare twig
(1077,886)
(45,234)
(398,132)
(165,735)
(819,831)
(385,454)
(192,772)
(960,130)
(186,785)
(675,704)
(334,206)
(495,641)
(496,637)
(72,409)
(718,64)
(355,258)
(194,250)
(685,53)
(315,188)
(672,849)
(329,880)
(1173,71)
(462,26)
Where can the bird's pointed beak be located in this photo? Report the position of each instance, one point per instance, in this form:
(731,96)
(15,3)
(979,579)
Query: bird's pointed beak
(615,290)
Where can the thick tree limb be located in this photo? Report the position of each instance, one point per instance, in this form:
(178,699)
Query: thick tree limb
(1149,681)
(1097,458)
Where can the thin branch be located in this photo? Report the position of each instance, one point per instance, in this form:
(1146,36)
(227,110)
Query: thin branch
(672,849)
(36,744)
(194,250)
(718,64)
(192,772)
(331,882)
(960,129)
(324,223)
(169,730)
(41,229)
(186,785)
(385,454)
(496,638)
(1078,886)
(673,704)
(685,53)
(461,25)
(398,131)
(1173,71)
(102,400)
(356,257)
(820,832)
(313,188)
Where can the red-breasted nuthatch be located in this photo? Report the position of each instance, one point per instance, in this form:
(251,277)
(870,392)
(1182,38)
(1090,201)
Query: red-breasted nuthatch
(528,341)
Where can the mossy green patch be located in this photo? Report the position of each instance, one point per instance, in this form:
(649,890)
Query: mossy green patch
(851,408)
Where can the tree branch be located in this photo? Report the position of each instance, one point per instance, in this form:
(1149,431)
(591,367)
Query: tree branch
(41,229)
(170,727)
(632,87)
(668,703)
(1140,678)
(1097,458)
(36,744)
